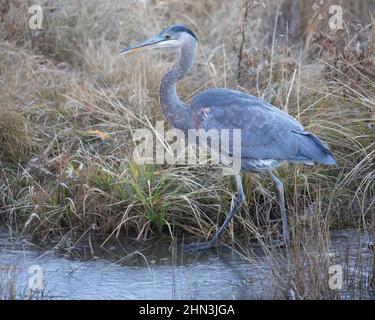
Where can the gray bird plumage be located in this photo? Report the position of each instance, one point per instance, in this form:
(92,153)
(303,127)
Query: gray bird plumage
(269,136)
(267,133)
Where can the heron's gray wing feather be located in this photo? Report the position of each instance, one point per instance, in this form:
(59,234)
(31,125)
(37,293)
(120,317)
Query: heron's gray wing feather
(266,131)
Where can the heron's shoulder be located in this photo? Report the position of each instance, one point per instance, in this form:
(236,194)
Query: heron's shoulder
(222,96)
(225,98)
(221,100)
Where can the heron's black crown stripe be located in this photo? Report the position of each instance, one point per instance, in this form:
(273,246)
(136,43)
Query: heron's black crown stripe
(182,28)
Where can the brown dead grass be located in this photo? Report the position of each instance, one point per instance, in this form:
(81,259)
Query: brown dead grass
(69,104)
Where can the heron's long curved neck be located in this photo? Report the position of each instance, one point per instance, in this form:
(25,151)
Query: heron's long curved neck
(178,113)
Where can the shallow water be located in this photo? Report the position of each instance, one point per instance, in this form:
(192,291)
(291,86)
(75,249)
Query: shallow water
(208,275)
(128,270)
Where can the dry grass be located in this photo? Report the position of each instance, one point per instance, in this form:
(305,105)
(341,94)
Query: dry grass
(69,104)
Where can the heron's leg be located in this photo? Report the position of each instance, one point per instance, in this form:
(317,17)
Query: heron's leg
(240,198)
(280,190)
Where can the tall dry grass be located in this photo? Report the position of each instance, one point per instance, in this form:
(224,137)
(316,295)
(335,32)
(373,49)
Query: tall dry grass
(70,103)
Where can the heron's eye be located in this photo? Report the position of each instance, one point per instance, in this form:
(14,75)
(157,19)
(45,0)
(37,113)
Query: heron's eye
(168,37)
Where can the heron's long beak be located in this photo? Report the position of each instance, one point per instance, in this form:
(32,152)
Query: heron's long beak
(150,43)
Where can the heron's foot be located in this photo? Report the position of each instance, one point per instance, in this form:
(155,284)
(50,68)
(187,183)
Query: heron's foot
(192,247)
(276,244)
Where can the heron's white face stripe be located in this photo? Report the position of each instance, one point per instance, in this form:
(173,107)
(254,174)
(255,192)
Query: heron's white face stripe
(174,43)
(167,44)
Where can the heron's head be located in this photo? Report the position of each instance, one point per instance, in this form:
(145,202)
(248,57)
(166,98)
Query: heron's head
(171,37)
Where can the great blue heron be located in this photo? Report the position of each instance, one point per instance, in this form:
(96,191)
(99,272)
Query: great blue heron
(269,136)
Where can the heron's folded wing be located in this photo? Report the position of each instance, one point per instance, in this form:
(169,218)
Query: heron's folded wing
(266,132)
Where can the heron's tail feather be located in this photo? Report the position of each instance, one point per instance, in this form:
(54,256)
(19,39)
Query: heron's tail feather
(314,149)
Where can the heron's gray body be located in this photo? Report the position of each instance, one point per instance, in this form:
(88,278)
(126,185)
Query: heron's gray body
(269,136)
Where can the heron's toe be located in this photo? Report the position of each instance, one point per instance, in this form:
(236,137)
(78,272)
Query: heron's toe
(276,244)
(192,247)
